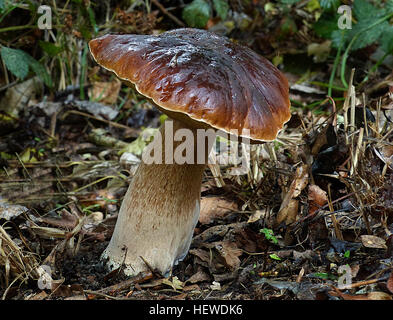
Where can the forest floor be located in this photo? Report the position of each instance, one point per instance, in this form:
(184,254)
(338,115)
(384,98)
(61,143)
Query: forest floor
(312,219)
(273,233)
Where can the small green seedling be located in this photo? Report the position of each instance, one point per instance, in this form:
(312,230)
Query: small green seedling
(274,257)
(269,235)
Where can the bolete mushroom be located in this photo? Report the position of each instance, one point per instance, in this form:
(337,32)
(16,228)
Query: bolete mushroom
(200,80)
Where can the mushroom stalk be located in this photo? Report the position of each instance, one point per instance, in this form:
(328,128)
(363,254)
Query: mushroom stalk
(158,214)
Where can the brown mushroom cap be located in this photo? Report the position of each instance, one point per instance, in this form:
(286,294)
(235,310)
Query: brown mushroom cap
(196,76)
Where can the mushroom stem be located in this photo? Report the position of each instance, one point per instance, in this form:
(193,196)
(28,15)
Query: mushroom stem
(158,214)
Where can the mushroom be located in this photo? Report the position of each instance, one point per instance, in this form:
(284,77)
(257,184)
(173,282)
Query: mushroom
(201,81)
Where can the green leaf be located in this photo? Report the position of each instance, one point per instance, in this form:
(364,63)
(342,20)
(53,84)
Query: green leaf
(40,71)
(386,39)
(274,257)
(92,20)
(329,4)
(16,61)
(269,235)
(289,1)
(369,36)
(222,7)
(196,14)
(313,5)
(364,10)
(322,275)
(288,26)
(325,25)
(339,37)
(50,48)
(389,6)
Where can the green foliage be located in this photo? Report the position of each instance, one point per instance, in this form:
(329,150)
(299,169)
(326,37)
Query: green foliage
(88,25)
(326,25)
(366,37)
(372,25)
(269,235)
(322,275)
(289,1)
(362,9)
(288,26)
(40,71)
(18,63)
(274,257)
(386,40)
(196,14)
(329,4)
(221,7)
(50,48)
(389,6)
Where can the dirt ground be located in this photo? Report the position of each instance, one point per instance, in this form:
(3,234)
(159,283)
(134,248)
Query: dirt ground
(311,219)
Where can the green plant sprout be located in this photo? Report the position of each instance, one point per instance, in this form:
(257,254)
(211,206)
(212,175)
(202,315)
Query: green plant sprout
(269,235)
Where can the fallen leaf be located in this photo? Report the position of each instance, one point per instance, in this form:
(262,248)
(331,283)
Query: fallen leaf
(289,285)
(255,216)
(288,209)
(216,231)
(76,297)
(316,198)
(288,213)
(225,277)
(175,283)
(230,252)
(39,296)
(99,110)
(201,254)
(389,283)
(200,276)
(326,135)
(215,286)
(304,255)
(373,242)
(300,181)
(105,92)
(66,220)
(249,240)
(181,296)
(376,295)
(215,207)
(385,153)
(11,211)
(16,97)
(192,288)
